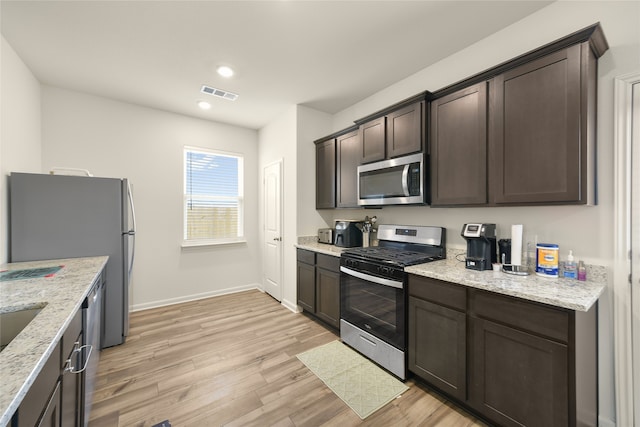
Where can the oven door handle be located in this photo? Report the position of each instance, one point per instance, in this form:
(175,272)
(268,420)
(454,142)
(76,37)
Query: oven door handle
(370,278)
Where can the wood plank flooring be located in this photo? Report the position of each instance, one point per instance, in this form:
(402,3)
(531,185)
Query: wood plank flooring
(231,360)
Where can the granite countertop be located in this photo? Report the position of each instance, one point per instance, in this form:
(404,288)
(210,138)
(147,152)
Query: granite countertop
(559,292)
(323,248)
(59,296)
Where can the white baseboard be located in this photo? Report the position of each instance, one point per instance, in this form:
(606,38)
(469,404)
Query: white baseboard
(291,306)
(194,297)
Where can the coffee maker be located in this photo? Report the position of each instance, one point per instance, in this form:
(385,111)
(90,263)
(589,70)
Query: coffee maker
(481,245)
(504,254)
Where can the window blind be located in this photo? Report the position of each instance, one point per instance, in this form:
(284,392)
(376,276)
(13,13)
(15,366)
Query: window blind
(213,196)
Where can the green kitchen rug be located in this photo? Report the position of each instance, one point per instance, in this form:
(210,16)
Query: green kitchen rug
(360,383)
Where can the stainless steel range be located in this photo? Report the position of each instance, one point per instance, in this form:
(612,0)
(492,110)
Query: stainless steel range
(373,317)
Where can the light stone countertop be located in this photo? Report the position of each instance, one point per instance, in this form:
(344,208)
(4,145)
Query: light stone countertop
(558,292)
(59,297)
(311,244)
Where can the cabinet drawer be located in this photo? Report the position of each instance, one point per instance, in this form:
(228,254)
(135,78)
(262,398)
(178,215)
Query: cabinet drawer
(308,257)
(439,292)
(328,262)
(528,316)
(71,335)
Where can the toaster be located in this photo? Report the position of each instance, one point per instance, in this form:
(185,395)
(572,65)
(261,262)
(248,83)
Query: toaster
(325,235)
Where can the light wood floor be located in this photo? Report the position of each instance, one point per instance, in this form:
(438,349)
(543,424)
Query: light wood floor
(231,360)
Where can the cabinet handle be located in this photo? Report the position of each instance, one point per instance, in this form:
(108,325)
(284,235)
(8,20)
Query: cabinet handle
(72,369)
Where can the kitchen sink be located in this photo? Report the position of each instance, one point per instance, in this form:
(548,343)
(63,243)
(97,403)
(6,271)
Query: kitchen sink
(13,322)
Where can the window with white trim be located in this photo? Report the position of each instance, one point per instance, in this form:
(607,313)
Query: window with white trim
(213,197)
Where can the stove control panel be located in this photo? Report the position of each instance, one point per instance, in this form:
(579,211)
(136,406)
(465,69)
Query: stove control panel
(374,268)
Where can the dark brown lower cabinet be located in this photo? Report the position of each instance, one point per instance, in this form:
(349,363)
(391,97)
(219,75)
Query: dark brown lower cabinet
(71,381)
(43,398)
(518,379)
(437,346)
(328,289)
(56,396)
(318,285)
(306,280)
(512,361)
(51,415)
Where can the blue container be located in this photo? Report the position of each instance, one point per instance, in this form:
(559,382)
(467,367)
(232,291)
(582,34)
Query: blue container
(547,257)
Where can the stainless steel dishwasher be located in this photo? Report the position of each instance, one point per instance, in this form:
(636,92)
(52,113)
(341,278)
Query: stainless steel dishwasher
(93,310)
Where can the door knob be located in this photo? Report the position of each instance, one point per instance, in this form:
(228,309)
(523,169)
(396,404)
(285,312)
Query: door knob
(277,239)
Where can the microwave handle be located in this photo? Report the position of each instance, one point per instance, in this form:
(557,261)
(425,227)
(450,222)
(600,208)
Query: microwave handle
(405,179)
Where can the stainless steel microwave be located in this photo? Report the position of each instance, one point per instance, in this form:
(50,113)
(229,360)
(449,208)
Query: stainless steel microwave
(398,181)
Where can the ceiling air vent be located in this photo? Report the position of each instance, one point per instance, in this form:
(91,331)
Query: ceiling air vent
(219,93)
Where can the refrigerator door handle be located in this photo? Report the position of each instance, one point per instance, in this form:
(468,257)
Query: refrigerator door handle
(132,232)
(133,209)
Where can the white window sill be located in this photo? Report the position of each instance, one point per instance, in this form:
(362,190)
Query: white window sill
(197,244)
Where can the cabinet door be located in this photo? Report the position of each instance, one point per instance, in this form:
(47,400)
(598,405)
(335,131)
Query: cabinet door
(39,396)
(405,130)
(518,379)
(328,296)
(51,415)
(72,402)
(71,398)
(306,280)
(326,174)
(459,148)
(348,155)
(437,346)
(536,140)
(373,140)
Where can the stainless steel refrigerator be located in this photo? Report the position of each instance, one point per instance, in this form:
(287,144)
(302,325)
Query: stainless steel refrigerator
(59,216)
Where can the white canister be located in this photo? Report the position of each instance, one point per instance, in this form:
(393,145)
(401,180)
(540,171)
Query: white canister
(547,257)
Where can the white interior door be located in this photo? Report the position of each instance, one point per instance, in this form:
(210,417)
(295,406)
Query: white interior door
(635,248)
(626,266)
(272,248)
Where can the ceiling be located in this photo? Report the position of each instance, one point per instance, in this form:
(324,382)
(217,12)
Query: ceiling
(326,55)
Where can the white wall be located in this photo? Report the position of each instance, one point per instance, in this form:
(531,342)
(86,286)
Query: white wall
(115,139)
(278,141)
(563,225)
(311,125)
(585,230)
(19,132)
(290,137)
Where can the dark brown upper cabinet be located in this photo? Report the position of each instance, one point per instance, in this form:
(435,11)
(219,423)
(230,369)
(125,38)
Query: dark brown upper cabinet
(405,130)
(395,131)
(459,148)
(523,132)
(337,159)
(348,158)
(542,122)
(374,140)
(326,174)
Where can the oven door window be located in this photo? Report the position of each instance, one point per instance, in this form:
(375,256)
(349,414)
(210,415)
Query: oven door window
(374,308)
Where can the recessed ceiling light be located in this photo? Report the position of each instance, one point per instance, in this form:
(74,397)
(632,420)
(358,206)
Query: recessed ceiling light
(204,105)
(225,71)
